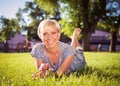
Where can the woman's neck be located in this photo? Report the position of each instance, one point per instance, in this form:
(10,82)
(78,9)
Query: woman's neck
(53,50)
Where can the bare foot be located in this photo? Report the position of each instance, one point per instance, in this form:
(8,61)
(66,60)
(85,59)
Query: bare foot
(76,33)
(75,42)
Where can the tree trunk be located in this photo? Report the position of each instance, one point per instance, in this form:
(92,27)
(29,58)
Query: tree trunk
(86,42)
(113,42)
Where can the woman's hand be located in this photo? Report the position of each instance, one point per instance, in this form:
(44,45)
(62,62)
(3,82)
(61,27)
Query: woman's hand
(44,67)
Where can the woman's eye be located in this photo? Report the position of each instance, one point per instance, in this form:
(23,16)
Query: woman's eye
(44,34)
(53,32)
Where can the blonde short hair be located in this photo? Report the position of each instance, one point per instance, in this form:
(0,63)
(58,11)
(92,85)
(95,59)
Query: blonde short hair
(47,23)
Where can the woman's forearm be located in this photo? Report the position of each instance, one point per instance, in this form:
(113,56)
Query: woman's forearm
(65,65)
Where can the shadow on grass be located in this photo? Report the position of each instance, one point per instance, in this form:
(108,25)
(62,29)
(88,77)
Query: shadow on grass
(92,71)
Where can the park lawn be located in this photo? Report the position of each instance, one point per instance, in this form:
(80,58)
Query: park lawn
(103,69)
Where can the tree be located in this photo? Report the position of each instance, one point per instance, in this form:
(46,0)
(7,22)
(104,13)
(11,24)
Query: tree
(79,13)
(8,28)
(112,21)
(4,28)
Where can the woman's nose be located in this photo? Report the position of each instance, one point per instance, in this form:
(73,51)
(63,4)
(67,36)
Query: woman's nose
(49,36)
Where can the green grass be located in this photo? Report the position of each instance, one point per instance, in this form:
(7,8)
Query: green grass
(103,70)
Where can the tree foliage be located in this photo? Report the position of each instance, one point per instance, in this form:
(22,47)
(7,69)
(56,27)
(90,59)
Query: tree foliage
(111,19)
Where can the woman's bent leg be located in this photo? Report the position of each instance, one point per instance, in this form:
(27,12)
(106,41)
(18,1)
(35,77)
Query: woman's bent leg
(80,59)
(75,42)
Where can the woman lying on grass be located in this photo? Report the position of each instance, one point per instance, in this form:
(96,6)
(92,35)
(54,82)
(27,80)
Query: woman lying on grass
(56,56)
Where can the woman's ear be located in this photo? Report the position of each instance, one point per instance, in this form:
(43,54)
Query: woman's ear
(40,37)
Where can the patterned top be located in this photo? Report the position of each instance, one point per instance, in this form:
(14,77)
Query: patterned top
(66,50)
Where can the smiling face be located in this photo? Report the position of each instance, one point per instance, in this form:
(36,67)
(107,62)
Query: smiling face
(50,35)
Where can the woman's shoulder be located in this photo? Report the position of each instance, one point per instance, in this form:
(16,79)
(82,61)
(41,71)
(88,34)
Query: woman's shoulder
(65,45)
(38,50)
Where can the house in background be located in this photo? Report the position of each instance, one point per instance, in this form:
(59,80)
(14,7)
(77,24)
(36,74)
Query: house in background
(20,43)
(17,43)
(100,41)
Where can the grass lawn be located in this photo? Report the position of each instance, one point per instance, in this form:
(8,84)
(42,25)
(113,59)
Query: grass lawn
(103,70)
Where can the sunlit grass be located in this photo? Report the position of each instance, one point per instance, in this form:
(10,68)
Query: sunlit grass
(103,70)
